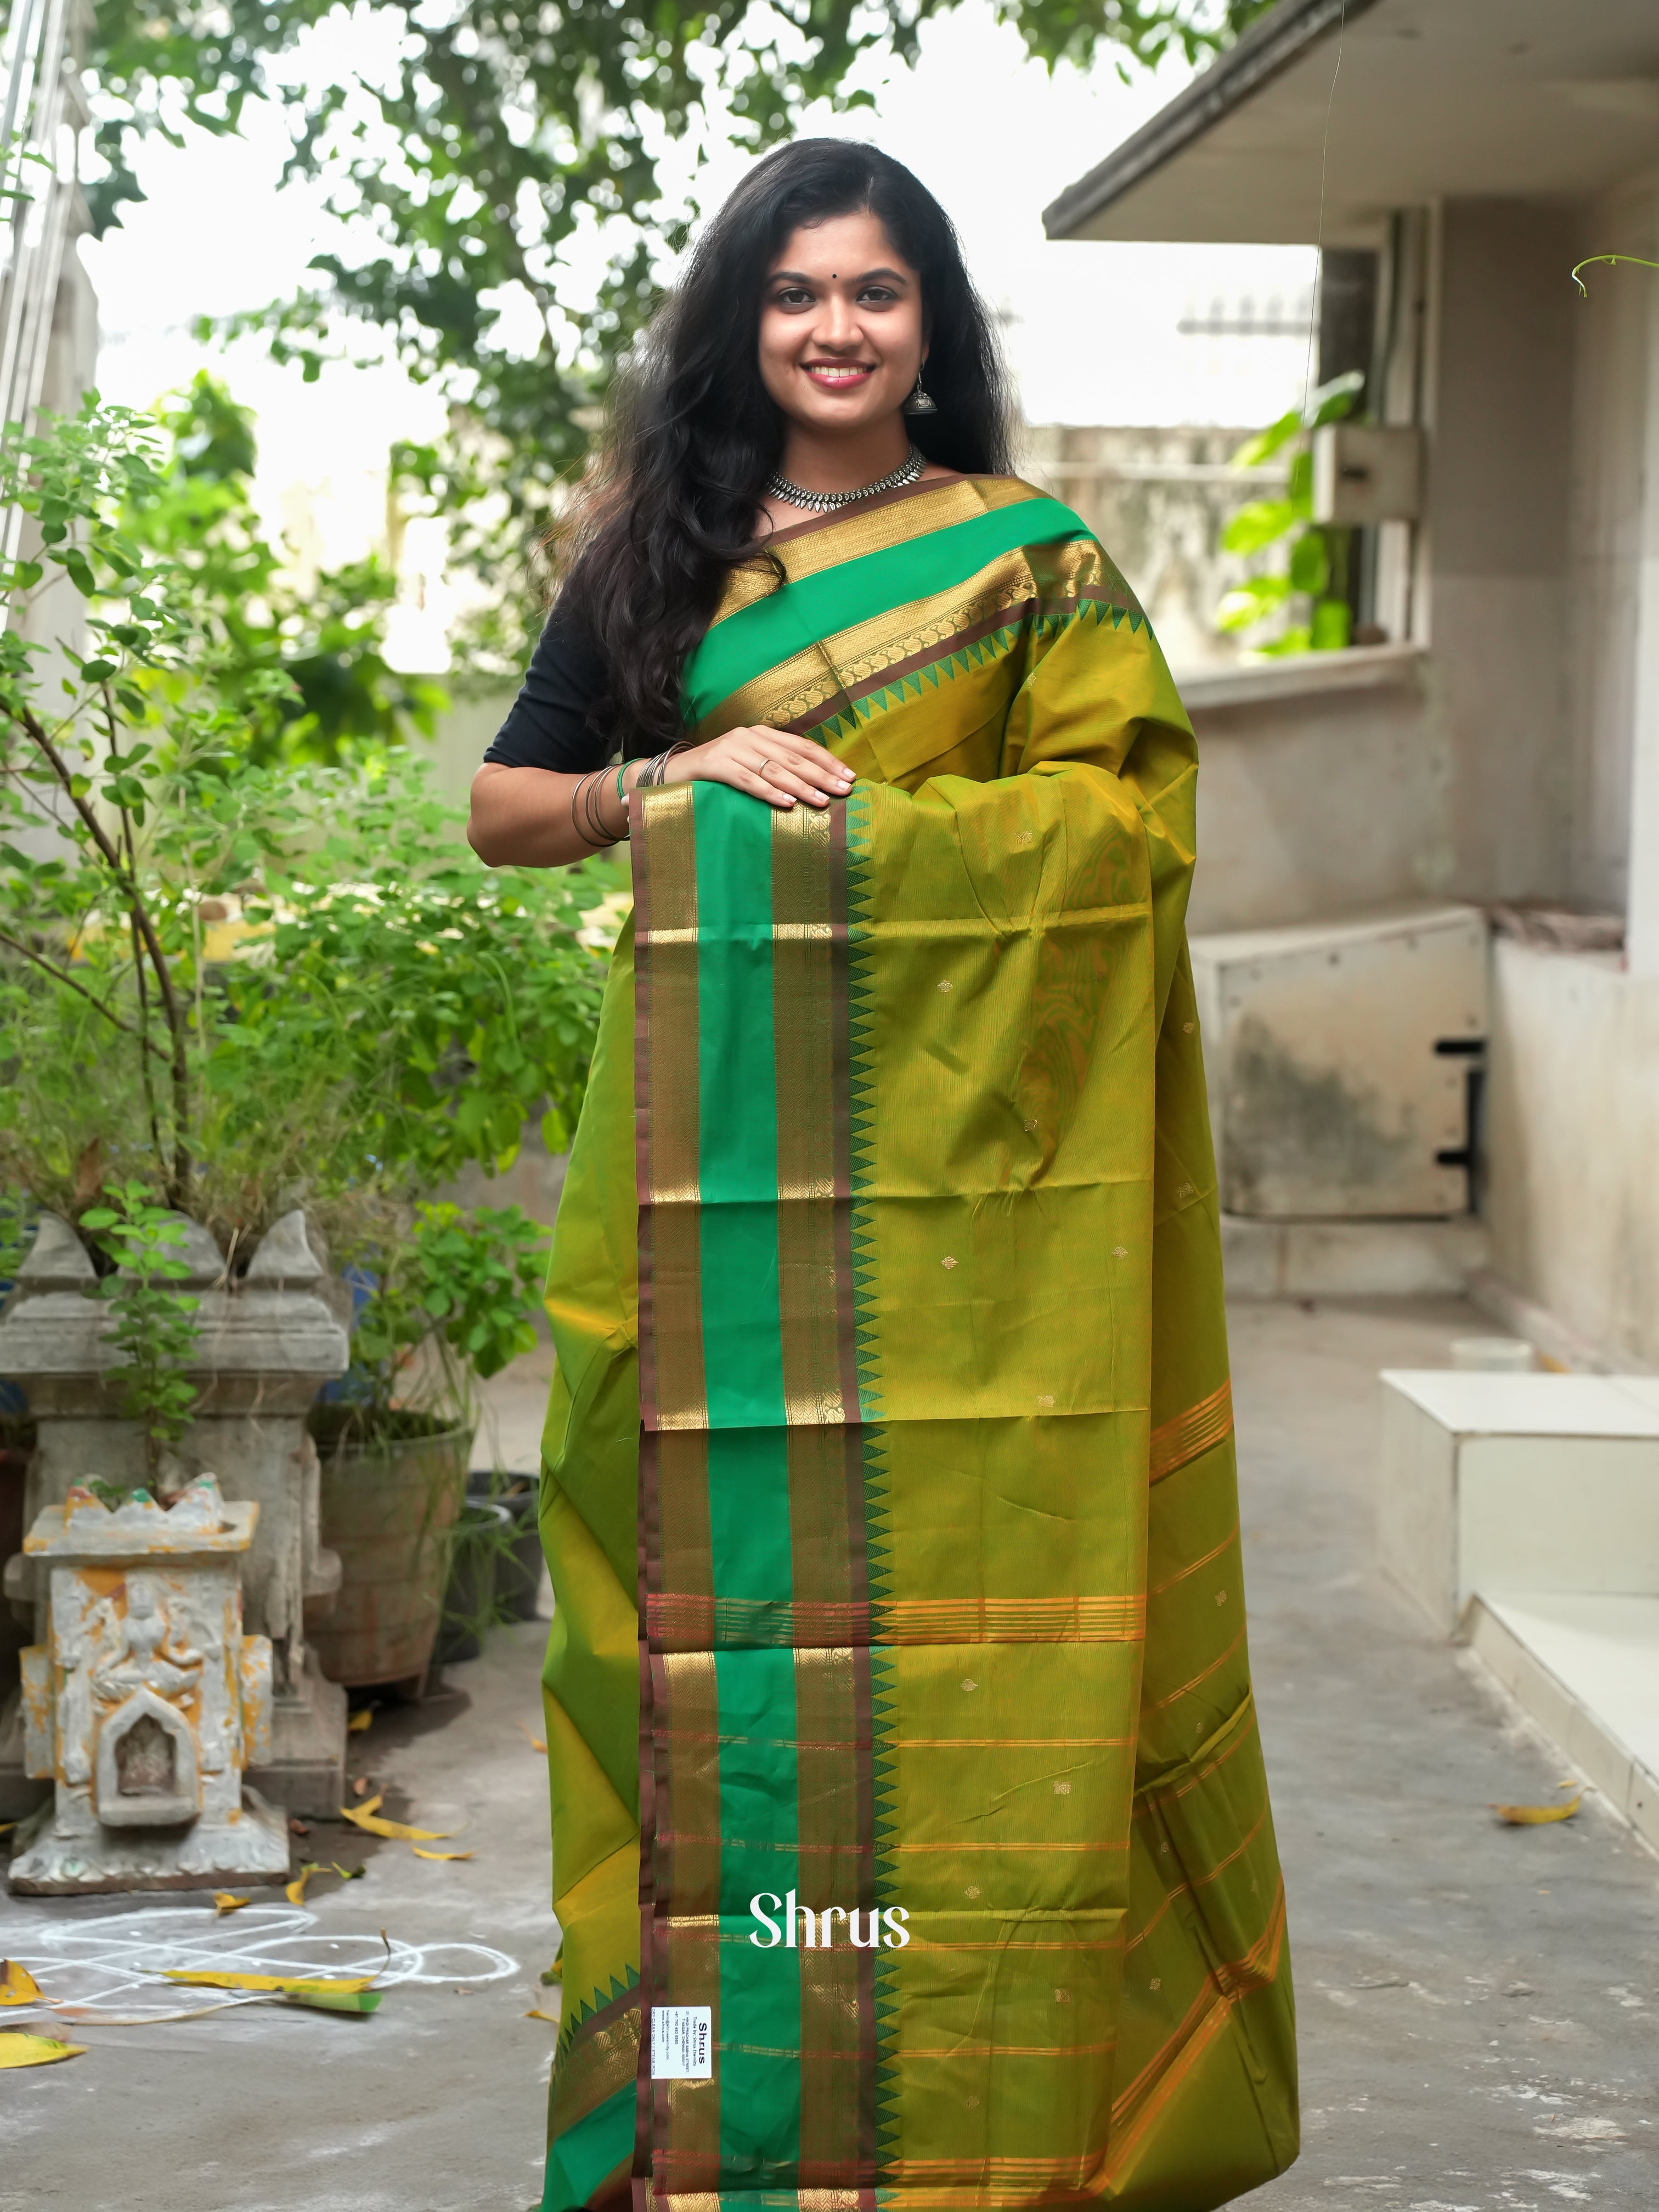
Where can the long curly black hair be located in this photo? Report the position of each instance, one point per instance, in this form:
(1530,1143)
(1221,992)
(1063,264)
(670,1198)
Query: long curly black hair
(693,434)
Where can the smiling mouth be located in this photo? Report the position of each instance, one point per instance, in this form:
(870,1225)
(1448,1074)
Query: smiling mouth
(838,375)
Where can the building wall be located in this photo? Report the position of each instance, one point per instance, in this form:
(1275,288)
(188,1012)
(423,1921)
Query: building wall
(1459,783)
(1573,1120)
(1499,404)
(1611,346)
(1572,1136)
(1317,805)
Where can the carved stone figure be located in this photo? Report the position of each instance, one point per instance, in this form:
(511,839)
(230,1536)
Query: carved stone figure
(146,1702)
(265,1343)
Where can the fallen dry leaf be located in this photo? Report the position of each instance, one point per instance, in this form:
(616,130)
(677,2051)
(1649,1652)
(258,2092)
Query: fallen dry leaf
(283,1985)
(17,2049)
(359,1785)
(551,2016)
(295,1891)
(358,1721)
(299,1828)
(534,1741)
(420,1854)
(367,1817)
(321,1993)
(17,1985)
(1537,1816)
(224,1902)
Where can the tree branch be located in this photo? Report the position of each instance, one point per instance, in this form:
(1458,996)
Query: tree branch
(34,730)
(69,982)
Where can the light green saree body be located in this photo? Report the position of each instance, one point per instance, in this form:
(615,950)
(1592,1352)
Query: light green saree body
(889,1486)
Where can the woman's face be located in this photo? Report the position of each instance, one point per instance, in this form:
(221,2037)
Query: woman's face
(840,327)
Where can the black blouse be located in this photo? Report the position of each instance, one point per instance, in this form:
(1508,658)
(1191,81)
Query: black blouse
(551,725)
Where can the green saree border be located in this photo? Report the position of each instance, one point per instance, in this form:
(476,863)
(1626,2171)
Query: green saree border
(757,637)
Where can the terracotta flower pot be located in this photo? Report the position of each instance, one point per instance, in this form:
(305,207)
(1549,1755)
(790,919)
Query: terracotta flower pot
(389,1506)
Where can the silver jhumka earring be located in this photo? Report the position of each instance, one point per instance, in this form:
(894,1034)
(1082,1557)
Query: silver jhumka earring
(920,401)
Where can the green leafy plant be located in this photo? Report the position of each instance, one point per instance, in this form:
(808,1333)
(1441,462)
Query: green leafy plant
(152,1323)
(456,1292)
(1316,566)
(231,984)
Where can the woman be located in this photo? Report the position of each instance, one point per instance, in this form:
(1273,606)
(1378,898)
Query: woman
(910,1831)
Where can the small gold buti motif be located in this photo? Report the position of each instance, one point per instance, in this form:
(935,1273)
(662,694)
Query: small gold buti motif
(947,985)
(947,1262)
(1120,1251)
(1047,1398)
(968,1683)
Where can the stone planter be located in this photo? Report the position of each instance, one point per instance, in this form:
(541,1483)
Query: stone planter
(146,1702)
(16,1450)
(388,1510)
(266,1344)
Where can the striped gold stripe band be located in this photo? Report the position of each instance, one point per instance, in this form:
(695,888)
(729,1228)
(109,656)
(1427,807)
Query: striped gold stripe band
(1174,1442)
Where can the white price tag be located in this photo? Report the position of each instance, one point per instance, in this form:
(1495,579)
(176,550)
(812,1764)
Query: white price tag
(681,2043)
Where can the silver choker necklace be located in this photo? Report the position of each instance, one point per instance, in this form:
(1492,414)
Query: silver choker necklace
(825,502)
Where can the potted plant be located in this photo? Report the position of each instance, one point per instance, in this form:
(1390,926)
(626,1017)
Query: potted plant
(270,998)
(449,1304)
(1317,558)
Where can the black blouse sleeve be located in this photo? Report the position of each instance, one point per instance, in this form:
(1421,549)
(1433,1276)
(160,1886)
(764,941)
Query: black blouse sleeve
(550,723)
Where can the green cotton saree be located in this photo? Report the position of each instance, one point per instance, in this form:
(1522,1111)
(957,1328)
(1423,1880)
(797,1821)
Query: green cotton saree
(911,1838)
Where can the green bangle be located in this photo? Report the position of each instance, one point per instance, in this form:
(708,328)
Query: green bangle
(621,794)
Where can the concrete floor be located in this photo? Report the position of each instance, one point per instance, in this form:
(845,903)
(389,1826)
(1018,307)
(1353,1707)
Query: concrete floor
(1477,2004)
(434,2104)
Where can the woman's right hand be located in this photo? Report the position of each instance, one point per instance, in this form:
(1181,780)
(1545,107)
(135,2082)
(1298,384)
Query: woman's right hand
(773,765)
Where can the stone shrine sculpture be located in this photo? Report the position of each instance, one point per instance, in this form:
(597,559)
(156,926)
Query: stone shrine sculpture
(265,1343)
(146,1702)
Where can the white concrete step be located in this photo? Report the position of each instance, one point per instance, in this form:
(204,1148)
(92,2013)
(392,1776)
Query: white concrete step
(1512,1483)
(1587,1670)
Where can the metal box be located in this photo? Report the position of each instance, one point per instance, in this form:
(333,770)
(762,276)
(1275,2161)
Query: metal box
(1366,472)
(1343,1060)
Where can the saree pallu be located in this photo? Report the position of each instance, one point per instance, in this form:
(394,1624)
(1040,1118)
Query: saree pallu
(889,1488)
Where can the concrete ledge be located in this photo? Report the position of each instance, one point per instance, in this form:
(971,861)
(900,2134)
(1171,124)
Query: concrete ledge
(1514,1482)
(1587,1670)
(1349,1258)
(1300,675)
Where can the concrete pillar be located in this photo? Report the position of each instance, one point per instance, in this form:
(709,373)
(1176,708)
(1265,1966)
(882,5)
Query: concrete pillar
(1642,928)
